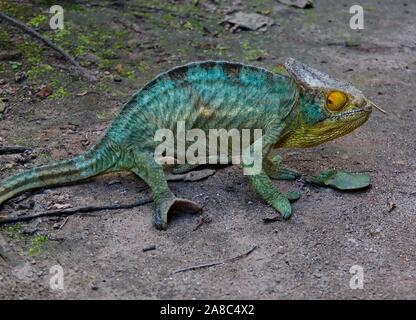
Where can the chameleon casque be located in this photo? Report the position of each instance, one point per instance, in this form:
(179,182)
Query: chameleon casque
(295,107)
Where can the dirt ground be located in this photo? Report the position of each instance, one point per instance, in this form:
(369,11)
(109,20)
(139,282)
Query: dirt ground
(307,257)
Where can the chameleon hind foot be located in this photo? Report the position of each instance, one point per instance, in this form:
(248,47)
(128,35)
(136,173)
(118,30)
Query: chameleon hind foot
(171,206)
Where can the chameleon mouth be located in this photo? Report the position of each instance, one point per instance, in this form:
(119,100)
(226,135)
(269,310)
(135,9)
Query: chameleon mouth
(350,114)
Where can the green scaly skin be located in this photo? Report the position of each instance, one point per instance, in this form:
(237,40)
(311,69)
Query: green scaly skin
(289,107)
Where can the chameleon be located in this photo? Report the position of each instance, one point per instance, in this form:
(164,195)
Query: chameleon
(295,106)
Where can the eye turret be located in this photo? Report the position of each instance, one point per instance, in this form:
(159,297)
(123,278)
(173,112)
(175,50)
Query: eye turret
(336,100)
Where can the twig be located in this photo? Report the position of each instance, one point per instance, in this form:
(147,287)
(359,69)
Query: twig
(64,223)
(68,212)
(13,150)
(17,23)
(212,264)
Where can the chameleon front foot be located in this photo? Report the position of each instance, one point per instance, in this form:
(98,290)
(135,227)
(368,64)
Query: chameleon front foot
(282,205)
(171,206)
(274,169)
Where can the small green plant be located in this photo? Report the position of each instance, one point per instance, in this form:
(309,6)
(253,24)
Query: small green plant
(37,20)
(36,245)
(30,51)
(103,115)
(15,65)
(130,75)
(4,38)
(13,231)
(61,35)
(38,70)
(59,94)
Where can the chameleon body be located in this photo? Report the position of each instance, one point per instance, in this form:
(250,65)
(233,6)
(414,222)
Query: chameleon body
(296,107)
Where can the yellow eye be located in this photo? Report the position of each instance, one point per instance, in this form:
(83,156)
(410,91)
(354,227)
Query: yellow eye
(336,100)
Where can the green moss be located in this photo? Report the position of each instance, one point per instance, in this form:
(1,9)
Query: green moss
(36,245)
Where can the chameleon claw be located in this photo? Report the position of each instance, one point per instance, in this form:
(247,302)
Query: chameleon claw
(174,205)
(282,205)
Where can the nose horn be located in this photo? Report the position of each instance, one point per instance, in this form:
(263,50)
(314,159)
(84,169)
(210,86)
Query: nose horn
(377,107)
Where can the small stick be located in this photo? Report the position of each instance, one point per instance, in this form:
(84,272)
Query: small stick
(17,23)
(68,212)
(149,248)
(212,264)
(64,223)
(13,150)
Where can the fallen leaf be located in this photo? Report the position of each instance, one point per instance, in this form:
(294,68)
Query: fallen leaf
(119,68)
(342,180)
(44,92)
(392,206)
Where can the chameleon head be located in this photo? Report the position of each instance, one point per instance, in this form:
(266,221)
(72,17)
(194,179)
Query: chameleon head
(328,108)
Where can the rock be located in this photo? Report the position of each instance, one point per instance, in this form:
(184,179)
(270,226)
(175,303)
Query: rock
(2,107)
(19,76)
(247,21)
(94,287)
(302,4)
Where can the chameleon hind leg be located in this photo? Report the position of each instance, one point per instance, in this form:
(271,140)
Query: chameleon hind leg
(260,181)
(166,202)
(274,169)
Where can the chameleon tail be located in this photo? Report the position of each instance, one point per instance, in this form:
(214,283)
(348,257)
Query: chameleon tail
(96,161)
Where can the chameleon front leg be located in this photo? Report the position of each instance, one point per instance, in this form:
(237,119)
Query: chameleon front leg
(272,166)
(166,202)
(261,181)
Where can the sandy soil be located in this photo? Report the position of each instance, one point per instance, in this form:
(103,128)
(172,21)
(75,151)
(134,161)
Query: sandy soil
(308,256)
